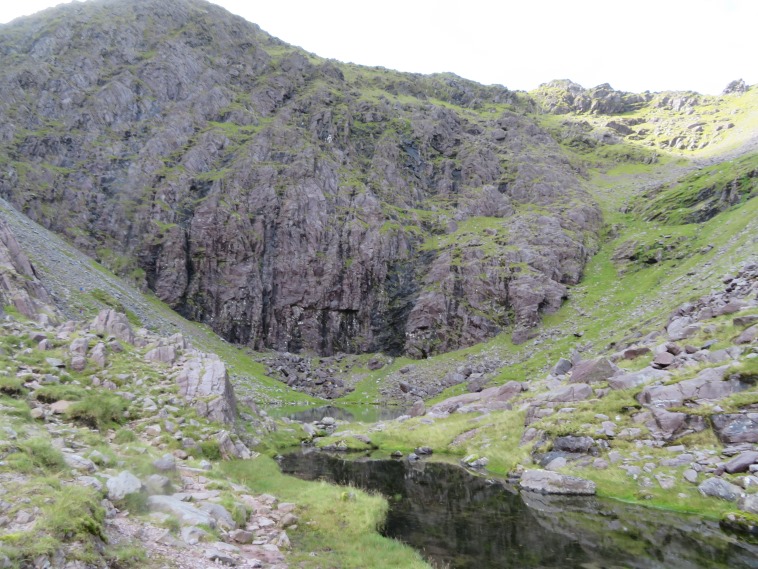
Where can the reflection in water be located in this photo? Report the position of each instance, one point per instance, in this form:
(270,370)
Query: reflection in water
(463,521)
(351,413)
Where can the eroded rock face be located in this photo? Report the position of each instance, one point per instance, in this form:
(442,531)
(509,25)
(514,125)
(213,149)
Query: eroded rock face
(265,195)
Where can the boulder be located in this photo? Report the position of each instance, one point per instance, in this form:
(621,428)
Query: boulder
(119,487)
(681,328)
(546,482)
(186,513)
(98,355)
(593,371)
(417,409)
(718,488)
(221,515)
(79,347)
(708,384)
(166,463)
(562,367)
(110,322)
(79,463)
(573,444)
(157,484)
(732,428)
(741,462)
(162,354)
(204,382)
(670,426)
(637,378)
(578,392)
(743,321)
(78,363)
(748,336)
(748,503)
(634,352)
(663,360)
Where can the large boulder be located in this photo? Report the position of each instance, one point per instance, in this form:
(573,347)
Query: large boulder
(119,487)
(546,482)
(637,378)
(709,384)
(578,392)
(733,428)
(718,488)
(203,381)
(184,512)
(110,322)
(670,426)
(593,371)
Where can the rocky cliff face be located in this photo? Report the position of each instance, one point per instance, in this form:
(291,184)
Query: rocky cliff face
(288,201)
(19,285)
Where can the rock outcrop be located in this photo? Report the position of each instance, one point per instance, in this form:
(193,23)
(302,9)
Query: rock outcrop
(204,383)
(259,190)
(19,285)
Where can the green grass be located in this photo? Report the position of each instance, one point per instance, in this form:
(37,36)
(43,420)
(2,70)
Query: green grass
(98,411)
(342,533)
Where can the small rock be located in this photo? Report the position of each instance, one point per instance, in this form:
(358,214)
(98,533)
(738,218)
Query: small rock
(242,536)
(166,463)
(690,475)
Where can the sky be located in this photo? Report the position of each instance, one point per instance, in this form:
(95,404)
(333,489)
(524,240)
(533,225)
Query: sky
(645,45)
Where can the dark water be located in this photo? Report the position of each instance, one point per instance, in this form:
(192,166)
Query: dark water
(352,413)
(459,520)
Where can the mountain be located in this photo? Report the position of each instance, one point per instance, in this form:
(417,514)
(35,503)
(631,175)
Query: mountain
(288,201)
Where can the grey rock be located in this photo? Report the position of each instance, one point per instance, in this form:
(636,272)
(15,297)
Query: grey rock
(166,463)
(417,409)
(158,484)
(663,359)
(593,371)
(734,428)
(573,444)
(547,482)
(708,384)
(742,321)
(79,463)
(578,392)
(635,379)
(122,485)
(718,488)
(98,355)
(110,322)
(162,354)
(192,535)
(690,475)
(742,462)
(242,536)
(562,367)
(220,514)
(186,513)
(748,336)
(203,381)
(748,503)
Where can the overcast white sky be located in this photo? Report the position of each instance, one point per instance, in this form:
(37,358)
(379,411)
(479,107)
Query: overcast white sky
(635,46)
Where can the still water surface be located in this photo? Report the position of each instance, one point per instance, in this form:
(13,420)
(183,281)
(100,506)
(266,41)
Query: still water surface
(462,521)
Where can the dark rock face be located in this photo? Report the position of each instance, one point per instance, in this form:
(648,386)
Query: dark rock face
(287,201)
